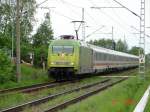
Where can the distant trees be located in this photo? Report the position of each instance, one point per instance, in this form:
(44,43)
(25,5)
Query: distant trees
(134,50)
(119,46)
(108,43)
(44,33)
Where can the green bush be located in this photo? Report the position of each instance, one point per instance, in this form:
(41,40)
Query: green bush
(40,55)
(6,68)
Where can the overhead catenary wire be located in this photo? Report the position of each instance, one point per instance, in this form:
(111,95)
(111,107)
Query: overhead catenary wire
(126,8)
(118,16)
(69,7)
(60,14)
(95,31)
(41,3)
(114,20)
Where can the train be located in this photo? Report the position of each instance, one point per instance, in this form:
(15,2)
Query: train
(69,58)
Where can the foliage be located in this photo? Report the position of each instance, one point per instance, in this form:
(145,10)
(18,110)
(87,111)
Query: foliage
(102,43)
(121,46)
(107,43)
(40,55)
(44,33)
(26,49)
(30,76)
(7,23)
(41,40)
(148,59)
(6,69)
(134,50)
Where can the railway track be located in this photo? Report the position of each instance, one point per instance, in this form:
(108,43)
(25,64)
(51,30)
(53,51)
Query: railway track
(50,97)
(104,85)
(31,88)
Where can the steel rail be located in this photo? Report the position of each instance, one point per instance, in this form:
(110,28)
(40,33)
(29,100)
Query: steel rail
(26,87)
(47,98)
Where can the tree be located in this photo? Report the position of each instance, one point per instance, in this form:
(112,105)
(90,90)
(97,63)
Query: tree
(148,59)
(44,33)
(134,50)
(6,68)
(41,41)
(7,23)
(121,46)
(106,43)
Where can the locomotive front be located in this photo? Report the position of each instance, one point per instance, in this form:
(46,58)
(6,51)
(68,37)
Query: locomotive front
(62,59)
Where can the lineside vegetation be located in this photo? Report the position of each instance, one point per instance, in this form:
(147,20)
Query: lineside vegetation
(120,98)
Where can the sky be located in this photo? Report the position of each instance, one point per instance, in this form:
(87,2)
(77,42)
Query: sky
(125,25)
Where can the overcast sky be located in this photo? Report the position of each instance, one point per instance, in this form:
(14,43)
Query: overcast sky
(123,21)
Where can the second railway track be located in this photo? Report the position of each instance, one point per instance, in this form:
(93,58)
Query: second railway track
(104,84)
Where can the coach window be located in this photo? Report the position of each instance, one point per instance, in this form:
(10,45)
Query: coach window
(105,57)
(116,58)
(101,56)
(96,56)
(109,57)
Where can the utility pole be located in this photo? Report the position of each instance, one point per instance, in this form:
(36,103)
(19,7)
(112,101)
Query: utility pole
(77,27)
(125,47)
(18,68)
(83,25)
(142,40)
(112,37)
(113,42)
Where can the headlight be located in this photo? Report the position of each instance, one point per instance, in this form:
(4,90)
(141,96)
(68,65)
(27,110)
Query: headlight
(52,63)
(71,63)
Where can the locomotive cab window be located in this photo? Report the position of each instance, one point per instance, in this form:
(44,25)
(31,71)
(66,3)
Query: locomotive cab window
(68,49)
(57,49)
(62,49)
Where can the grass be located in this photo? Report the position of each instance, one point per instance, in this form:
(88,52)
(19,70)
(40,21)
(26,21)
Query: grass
(147,109)
(120,98)
(29,76)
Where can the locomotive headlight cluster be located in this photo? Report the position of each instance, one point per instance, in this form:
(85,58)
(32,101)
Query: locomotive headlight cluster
(71,63)
(62,63)
(52,63)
